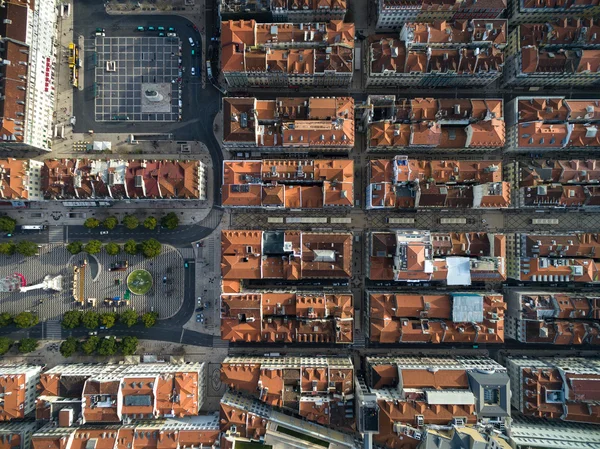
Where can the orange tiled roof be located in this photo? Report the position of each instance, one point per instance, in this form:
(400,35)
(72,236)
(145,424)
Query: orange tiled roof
(12,389)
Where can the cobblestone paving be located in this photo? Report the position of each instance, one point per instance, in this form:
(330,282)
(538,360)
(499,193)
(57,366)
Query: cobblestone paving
(54,259)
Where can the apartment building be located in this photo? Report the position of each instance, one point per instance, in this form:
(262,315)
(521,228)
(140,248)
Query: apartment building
(555,388)
(116,179)
(286,54)
(417,394)
(248,420)
(563,52)
(555,183)
(541,433)
(287,10)
(403,183)
(285,255)
(288,184)
(20,181)
(429,124)
(289,124)
(18,383)
(287,317)
(552,124)
(558,318)
(546,10)
(546,257)
(438,54)
(111,393)
(169,433)
(447,257)
(415,317)
(27,49)
(16,434)
(319,389)
(392,14)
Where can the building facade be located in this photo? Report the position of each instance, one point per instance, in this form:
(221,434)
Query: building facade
(285,10)
(17,434)
(18,384)
(536,11)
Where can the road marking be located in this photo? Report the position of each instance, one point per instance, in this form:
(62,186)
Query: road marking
(181,338)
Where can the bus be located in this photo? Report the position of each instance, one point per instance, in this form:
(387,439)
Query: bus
(32,227)
(544,221)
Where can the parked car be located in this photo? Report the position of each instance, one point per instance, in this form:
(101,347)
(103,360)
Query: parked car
(161,34)
(172,29)
(140,29)
(161,28)
(171,34)
(151,29)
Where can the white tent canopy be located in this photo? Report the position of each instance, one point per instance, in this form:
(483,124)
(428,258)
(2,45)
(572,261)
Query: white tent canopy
(102,145)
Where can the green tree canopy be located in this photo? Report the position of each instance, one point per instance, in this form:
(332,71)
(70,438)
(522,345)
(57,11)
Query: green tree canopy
(151,248)
(91,223)
(90,345)
(5,319)
(129,345)
(25,320)
(28,345)
(90,319)
(128,318)
(8,224)
(8,248)
(93,247)
(108,346)
(149,319)
(75,247)
(5,344)
(131,221)
(110,222)
(112,249)
(108,319)
(131,247)
(71,319)
(27,248)
(150,223)
(170,221)
(69,347)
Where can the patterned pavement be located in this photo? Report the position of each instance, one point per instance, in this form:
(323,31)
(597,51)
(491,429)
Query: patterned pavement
(165,298)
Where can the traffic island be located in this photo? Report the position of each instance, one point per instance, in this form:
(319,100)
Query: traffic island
(139,282)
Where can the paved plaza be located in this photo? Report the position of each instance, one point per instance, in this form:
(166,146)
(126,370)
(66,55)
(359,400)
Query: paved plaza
(165,296)
(136,78)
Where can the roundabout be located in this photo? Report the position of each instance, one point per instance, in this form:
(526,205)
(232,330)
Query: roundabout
(139,282)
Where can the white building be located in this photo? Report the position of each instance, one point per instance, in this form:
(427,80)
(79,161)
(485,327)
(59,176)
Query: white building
(14,378)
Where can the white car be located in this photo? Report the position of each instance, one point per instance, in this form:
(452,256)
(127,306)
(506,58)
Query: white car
(191,42)
(103,232)
(171,34)
(193,71)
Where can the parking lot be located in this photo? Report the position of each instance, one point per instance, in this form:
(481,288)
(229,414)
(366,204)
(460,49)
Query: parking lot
(137,78)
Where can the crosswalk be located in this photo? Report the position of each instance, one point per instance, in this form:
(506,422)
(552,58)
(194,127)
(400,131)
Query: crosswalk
(359,339)
(52,330)
(220,344)
(56,234)
(213,219)
(187,253)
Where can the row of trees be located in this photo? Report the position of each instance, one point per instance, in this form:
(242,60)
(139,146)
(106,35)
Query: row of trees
(22,320)
(24,247)
(24,345)
(8,224)
(149,248)
(101,346)
(93,320)
(169,221)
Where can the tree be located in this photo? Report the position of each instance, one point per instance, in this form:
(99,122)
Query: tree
(7,224)
(5,319)
(90,345)
(5,344)
(131,247)
(25,319)
(170,221)
(28,345)
(108,319)
(71,319)
(150,223)
(108,346)
(27,248)
(91,223)
(69,347)
(129,345)
(75,247)
(128,318)
(110,222)
(90,319)
(149,319)
(151,248)
(112,249)
(8,249)
(93,247)
(130,221)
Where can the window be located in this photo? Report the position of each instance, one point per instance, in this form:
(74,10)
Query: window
(491,396)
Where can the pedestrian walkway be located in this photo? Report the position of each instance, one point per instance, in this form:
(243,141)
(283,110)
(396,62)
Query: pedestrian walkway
(218,343)
(52,330)
(187,253)
(56,234)
(359,339)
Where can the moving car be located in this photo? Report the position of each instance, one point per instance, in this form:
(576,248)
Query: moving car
(191,42)
(193,71)
(193,52)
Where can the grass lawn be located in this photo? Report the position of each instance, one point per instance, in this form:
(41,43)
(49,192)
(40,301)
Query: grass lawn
(139,282)
(302,436)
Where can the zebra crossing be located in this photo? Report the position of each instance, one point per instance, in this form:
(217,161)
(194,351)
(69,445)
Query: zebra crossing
(219,344)
(52,330)
(187,253)
(56,234)
(359,339)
